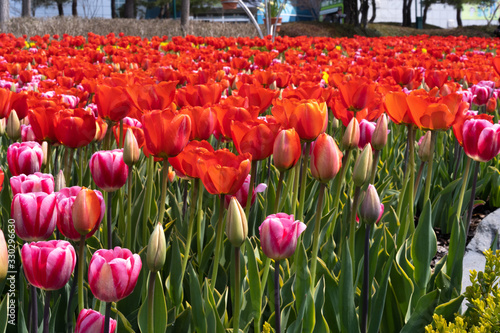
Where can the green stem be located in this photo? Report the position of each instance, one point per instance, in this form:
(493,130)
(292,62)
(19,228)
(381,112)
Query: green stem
(80,169)
(81,272)
(278,192)
(472,197)
(295,187)
(110,220)
(199,221)
(374,166)
(34,310)
(121,134)
(352,221)
(366,283)
(305,163)
(147,200)
(218,242)
(267,265)
(163,191)
(277,310)
(419,176)
(130,185)
(189,237)
(151,295)
(428,179)
(253,173)
(337,190)
(46,312)
(317,228)
(68,153)
(237,287)
(107,316)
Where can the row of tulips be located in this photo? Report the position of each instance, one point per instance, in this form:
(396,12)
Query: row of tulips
(196,127)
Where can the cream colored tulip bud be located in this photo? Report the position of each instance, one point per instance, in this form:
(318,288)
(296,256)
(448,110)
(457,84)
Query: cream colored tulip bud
(157,249)
(351,135)
(13,126)
(3,125)
(236,226)
(363,166)
(424,147)
(60,181)
(131,151)
(379,136)
(45,147)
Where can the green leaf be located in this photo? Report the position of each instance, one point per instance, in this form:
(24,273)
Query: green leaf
(423,248)
(175,286)
(4,314)
(199,318)
(348,318)
(159,309)
(253,279)
(123,323)
(448,310)
(319,300)
(422,316)
(302,290)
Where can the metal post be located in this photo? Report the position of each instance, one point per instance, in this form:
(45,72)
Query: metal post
(251,17)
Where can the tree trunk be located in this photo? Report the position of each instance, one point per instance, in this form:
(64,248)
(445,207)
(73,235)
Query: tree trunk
(184,16)
(459,15)
(4,14)
(427,5)
(129,9)
(407,13)
(374,12)
(74,6)
(364,13)
(60,9)
(113,8)
(26,8)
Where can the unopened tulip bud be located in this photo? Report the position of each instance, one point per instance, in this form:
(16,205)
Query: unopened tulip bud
(131,151)
(351,135)
(326,158)
(370,207)
(171,174)
(286,149)
(491,105)
(4,258)
(335,123)
(45,147)
(362,167)
(424,147)
(86,211)
(3,125)
(13,126)
(157,249)
(60,181)
(237,226)
(379,137)
(13,87)
(273,86)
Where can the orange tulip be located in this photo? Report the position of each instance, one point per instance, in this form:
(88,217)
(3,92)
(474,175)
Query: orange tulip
(186,163)
(397,108)
(257,96)
(113,103)
(75,127)
(286,149)
(199,95)
(86,211)
(255,137)
(222,172)
(13,101)
(166,132)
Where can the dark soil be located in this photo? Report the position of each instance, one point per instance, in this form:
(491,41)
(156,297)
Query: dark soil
(443,240)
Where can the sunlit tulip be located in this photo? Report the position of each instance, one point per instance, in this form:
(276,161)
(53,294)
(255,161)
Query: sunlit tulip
(90,321)
(255,137)
(65,224)
(326,158)
(48,265)
(131,150)
(37,182)
(481,139)
(286,149)
(278,235)
(199,95)
(35,215)
(108,169)
(113,273)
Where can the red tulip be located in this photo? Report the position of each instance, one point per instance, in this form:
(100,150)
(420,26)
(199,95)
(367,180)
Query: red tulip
(203,121)
(113,273)
(24,158)
(255,137)
(113,103)
(75,127)
(48,265)
(286,149)
(186,163)
(108,169)
(279,234)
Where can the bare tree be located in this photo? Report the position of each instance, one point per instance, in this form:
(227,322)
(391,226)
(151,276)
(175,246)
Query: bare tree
(26,8)
(74,8)
(185,16)
(407,13)
(374,12)
(4,14)
(113,8)
(364,13)
(129,11)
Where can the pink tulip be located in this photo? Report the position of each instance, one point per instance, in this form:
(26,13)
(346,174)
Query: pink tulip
(366,129)
(37,182)
(48,265)
(481,139)
(482,91)
(113,273)
(242,194)
(65,199)
(24,158)
(35,215)
(27,133)
(90,321)
(279,234)
(132,122)
(326,158)
(108,169)
(371,210)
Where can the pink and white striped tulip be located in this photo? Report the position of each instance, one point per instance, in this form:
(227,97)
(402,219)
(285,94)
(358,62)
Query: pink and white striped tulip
(90,321)
(48,265)
(27,133)
(366,129)
(113,273)
(25,157)
(108,169)
(35,215)
(278,235)
(482,91)
(65,199)
(37,182)
(481,139)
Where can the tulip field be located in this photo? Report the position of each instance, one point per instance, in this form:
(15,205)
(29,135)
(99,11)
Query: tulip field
(205,184)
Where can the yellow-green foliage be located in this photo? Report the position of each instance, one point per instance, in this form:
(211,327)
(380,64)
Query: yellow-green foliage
(483,296)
